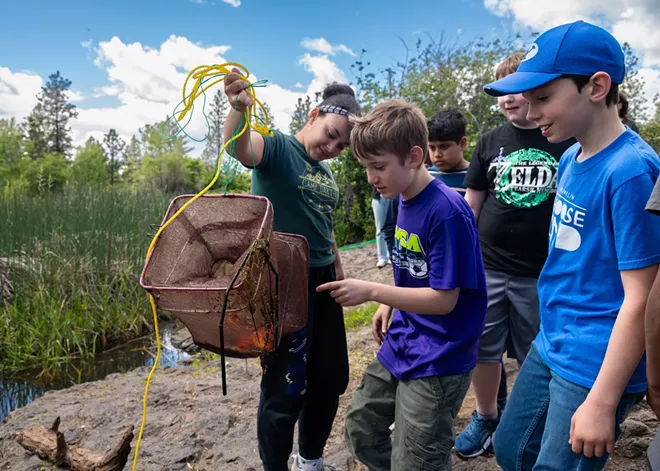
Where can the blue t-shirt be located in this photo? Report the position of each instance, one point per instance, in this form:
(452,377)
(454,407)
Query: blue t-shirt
(599,228)
(436,245)
(452,178)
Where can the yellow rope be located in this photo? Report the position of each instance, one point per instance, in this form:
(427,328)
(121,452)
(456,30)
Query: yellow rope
(201,75)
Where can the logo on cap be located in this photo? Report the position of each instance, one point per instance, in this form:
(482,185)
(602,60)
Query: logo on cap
(531,52)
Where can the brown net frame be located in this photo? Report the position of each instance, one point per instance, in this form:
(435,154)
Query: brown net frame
(237,286)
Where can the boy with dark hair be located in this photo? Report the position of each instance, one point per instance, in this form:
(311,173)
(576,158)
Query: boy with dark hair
(511,189)
(447,143)
(422,372)
(586,368)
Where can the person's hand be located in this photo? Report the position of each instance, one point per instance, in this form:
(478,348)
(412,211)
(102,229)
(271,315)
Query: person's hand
(379,323)
(348,292)
(593,429)
(235,91)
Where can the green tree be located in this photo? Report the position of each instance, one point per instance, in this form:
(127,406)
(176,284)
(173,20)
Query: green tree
(650,130)
(215,139)
(164,163)
(633,85)
(353,217)
(37,133)
(267,114)
(89,166)
(114,150)
(12,149)
(301,114)
(47,174)
(132,158)
(52,114)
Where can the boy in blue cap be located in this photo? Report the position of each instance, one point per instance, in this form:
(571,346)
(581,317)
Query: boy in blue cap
(586,368)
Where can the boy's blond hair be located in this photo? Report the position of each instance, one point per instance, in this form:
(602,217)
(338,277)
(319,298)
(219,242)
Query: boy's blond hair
(393,126)
(509,65)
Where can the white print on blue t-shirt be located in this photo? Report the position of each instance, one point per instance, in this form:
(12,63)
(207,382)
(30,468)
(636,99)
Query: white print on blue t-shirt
(408,253)
(567,222)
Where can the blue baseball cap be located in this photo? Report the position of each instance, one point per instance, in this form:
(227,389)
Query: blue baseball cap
(578,48)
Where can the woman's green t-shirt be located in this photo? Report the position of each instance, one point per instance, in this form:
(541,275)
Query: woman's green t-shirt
(302,191)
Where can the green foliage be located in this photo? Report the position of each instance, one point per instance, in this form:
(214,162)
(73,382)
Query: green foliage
(74,259)
(269,113)
(89,167)
(300,115)
(52,115)
(633,85)
(353,217)
(360,316)
(216,116)
(114,147)
(650,130)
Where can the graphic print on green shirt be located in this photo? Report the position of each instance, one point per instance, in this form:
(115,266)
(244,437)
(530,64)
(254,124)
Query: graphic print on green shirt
(318,188)
(302,191)
(525,178)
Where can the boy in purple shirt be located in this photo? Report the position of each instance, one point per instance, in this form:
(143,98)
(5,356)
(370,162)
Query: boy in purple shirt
(423,369)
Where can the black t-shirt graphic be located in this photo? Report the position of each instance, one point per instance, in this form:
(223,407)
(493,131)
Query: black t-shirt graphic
(518,168)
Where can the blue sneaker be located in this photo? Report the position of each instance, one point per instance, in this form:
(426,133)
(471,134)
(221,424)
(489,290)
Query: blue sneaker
(476,438)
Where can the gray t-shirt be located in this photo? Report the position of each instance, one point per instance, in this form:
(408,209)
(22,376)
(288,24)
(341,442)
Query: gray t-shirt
(653,206)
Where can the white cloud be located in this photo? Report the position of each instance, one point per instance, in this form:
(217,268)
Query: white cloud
(634,21)
(147,84)
(233,3)
(18,93)
(323,46)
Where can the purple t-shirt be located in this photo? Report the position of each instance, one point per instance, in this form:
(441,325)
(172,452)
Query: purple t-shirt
(436,245)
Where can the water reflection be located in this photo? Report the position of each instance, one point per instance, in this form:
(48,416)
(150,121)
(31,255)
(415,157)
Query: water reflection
(18,391)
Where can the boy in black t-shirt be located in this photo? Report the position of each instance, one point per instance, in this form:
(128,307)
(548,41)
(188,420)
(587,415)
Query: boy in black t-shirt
(511,185)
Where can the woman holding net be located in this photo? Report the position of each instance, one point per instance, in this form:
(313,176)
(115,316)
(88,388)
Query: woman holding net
(308,372)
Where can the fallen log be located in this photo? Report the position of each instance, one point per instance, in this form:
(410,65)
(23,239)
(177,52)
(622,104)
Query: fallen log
(49,444)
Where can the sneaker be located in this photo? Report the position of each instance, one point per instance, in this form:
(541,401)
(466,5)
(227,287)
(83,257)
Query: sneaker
(381,263)
(476,438)
(301,464)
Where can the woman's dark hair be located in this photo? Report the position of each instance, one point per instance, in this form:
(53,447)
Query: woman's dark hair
(341,96)
(447,125)
(580,81)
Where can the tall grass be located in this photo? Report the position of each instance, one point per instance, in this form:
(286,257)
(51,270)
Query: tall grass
(74,260)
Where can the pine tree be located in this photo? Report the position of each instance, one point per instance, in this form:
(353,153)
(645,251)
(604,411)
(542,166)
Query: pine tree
(114,147)
(300,115)
(215,139)
(633,85)
(269,113)
(50,118)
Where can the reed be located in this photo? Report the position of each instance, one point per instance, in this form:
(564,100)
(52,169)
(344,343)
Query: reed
(69,265)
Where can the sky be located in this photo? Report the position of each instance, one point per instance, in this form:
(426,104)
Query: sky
(128,59)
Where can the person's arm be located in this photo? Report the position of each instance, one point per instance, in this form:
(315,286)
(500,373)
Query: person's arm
(475,198)
(593,425)
(249,154)
(476,180)
(431,301)
(653,346)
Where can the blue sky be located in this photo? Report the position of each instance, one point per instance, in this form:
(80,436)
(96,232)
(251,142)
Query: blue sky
(127,59)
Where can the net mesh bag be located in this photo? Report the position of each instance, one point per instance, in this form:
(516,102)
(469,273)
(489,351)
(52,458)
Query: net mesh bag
(236,285)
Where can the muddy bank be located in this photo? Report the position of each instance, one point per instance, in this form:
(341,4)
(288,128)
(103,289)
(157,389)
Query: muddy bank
(190,425)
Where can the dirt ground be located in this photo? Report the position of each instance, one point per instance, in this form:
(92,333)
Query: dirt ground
(190,425)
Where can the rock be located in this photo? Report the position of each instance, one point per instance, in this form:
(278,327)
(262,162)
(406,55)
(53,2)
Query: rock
(182,340)
(635,428)
(633,447)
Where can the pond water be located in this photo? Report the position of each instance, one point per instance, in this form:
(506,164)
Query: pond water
(19,390)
